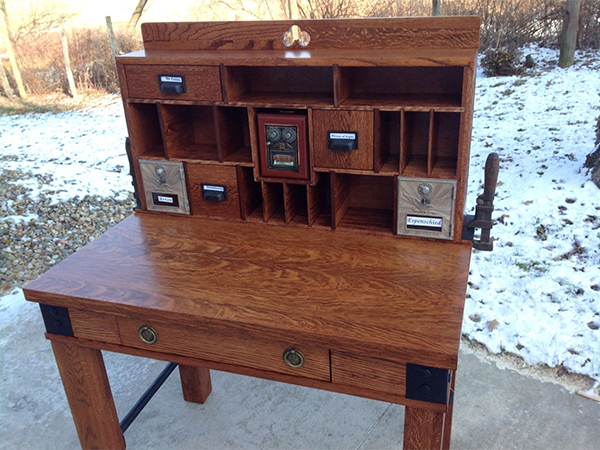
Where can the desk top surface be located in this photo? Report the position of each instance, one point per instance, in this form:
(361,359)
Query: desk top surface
(380,290)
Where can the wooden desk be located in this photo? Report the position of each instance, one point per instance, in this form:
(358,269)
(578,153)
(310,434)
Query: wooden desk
(367,313)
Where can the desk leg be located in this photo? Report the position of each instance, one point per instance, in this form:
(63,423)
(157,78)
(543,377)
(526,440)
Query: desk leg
(195,383)
(448,418)
(90,398)
(423,429)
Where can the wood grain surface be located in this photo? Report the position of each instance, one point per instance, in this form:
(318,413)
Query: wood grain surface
(432,32)
(195,383)
(290,279)
(360,122)
(235,344)
(201,82)
(198,174)
(90,398)
(275,376)
(372,372)
(422,429)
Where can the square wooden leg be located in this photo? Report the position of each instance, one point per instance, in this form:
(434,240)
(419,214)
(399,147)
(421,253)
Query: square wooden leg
(84,378)
(423,429)
(448,419)
(195,383)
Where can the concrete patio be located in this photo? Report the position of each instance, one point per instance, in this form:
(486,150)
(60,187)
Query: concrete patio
(494,408)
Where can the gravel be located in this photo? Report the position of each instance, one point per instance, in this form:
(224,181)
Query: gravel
(37,233)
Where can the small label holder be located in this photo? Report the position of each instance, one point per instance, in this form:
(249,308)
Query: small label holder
(342,140)
(171,84)
(214,192)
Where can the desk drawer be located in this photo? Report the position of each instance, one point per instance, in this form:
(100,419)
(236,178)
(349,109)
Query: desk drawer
(205,182)
(229,345)
(375,373)
(201,82)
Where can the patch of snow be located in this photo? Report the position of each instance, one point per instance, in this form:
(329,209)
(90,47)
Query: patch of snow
(536,295)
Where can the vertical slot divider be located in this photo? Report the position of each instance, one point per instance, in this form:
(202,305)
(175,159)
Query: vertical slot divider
(218,116)
(432,146)
(272,195)
(404,137)
(294,202)
(170,125)
(340,197)
(342,85)
(249,192)
(254,147)
(379,153)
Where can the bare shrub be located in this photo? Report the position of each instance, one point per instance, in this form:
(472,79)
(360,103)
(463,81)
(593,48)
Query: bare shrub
(501,62)
(92,61)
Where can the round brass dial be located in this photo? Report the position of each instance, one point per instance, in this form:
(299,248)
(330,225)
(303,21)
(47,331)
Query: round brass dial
(293,358)
(148,335)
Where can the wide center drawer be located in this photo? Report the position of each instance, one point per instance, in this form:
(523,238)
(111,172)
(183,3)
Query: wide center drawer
(237,346)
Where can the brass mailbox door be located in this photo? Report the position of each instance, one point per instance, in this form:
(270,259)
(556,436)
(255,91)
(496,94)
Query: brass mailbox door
(426,207)
(164,186)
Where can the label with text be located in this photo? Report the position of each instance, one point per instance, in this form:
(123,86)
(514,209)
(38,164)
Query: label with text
(171,79)
(336,135)
(162,199)
(424,223)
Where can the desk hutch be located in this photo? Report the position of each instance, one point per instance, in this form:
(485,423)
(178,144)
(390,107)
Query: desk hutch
(301,189)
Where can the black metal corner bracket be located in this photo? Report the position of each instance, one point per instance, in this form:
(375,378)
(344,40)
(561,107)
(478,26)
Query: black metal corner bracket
(57,320)
(146,397)
(428,384)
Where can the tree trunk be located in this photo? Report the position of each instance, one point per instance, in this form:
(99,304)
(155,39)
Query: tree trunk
(568,40)
(137,13)
(436,7)
(592,161)
(68,69)
(10,47)
(4,80)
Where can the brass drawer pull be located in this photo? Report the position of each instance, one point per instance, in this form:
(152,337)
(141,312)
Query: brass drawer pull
(148,334)
(293,358)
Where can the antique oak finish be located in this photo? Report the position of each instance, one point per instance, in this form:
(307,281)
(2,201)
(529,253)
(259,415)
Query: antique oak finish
(334,296)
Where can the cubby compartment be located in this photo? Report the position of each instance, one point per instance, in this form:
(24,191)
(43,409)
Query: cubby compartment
(250,195)
(414,143)
(148,142)
(362,202)
(233,134)
(387,141)
(282,86)
(318,198)
(400,87)
(272,195)
(189,132)
(294,204)
(443,157)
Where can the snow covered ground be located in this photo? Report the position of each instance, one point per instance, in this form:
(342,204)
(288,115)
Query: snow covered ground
(537,295)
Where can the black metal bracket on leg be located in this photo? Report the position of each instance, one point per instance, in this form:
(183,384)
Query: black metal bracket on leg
(428,384)
(146,397)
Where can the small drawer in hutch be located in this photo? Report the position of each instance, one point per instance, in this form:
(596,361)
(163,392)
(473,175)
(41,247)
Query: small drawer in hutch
(201,83)
(213,191)
(343,139)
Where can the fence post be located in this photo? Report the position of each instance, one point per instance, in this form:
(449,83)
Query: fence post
(69,70)
(436,8)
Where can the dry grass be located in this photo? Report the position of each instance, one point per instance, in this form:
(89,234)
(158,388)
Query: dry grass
(56,102)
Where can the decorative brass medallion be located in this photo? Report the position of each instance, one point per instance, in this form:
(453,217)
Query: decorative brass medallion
(148,334)
(293,358)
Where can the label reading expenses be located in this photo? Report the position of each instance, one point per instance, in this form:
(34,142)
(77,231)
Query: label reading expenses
(165,199)
(424,223)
